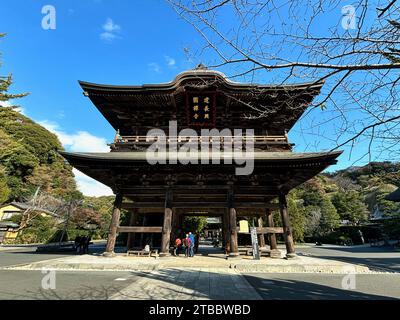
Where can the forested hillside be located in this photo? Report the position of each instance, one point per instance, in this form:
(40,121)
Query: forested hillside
(29,159)
(353,197)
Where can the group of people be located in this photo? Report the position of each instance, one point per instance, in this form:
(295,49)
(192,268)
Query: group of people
(187,245)
(82,244)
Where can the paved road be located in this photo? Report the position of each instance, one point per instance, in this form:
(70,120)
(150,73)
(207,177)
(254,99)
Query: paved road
(28,254)
(23,285)
(194,284)
(376,258)
(325,286)
(204,283)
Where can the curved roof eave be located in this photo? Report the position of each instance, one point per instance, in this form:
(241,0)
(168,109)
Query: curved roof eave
(193,74)
(260,156)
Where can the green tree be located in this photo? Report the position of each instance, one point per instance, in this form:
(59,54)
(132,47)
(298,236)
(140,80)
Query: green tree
(350,206)
(4,189)
(330,219)
(194,224)
(28,152)
(5,83)
(297,216)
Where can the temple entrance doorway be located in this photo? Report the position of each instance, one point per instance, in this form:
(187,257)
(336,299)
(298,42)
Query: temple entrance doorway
(207,229)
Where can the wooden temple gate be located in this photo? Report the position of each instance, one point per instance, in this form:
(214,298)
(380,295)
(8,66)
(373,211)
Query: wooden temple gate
(172,220)
(198,99)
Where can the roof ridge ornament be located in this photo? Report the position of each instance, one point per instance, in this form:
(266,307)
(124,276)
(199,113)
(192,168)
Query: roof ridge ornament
(201,66)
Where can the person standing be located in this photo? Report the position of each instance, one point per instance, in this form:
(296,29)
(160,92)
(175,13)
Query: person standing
(192,242)
(177,246)
(86,245)
(82,245)
(187,244)
(77,244)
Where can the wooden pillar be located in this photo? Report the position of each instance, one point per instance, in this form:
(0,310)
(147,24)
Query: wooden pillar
(226,232)
(274,252)
(287,232)
(261,239)
(166,231)
(144,222)
(131,235)
(112,234)
(176,226)
(271,236)
(234,252)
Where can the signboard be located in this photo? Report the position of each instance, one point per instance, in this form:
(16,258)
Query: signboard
(254,242)
(201,109)
(243,226)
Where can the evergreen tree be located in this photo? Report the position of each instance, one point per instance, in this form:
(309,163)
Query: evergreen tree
(4,189)
(350,206)
(297,216)
(5,83)
(330,219)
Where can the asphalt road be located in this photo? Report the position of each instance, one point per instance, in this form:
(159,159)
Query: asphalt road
(26,255)
(307,286)
(22,285)
(376,258)
(101,285)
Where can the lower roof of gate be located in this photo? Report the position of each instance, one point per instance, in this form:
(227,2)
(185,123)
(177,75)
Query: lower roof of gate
(273,171)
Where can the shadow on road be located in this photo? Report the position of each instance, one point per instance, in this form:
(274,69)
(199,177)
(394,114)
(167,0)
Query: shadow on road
(283,289)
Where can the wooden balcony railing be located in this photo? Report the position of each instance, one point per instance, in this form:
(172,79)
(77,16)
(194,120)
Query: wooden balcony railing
(201,139)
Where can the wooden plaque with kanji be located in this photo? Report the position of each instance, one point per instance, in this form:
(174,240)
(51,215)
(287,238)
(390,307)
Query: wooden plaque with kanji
(201,108)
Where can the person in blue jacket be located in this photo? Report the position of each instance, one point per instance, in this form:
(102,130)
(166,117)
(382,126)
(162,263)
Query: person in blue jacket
(192,243)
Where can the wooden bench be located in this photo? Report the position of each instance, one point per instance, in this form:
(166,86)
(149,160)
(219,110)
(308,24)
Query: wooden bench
(246,251)
(143,253)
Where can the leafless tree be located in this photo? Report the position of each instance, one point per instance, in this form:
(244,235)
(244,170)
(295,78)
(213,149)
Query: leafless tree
(39,203)
(353,48)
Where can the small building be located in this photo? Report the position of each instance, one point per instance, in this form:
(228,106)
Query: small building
(8,229)
(7,211)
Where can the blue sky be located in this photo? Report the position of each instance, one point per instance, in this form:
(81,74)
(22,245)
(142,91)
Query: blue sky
(103,41)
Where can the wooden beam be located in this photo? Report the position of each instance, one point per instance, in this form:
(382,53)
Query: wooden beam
(140,229)
(187,189)
(269,230)
(133,205)
(204,204)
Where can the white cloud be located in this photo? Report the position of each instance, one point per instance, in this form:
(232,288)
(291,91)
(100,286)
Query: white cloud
(5,104)
(89,186)
(154,67)
(110,26)
(10,104)
(81,141)
(107,36)
(110,31)
(170,61)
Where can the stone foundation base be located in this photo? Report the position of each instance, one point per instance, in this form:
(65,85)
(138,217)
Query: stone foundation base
(275,254)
